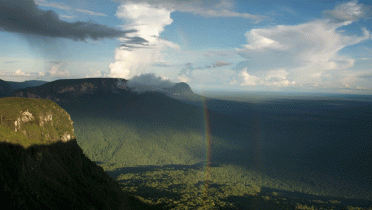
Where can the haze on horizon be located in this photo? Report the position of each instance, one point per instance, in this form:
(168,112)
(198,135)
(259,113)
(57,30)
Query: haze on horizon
(235,45)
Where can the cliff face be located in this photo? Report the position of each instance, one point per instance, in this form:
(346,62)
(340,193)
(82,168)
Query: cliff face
(72,89)
(43,167)
(30,121)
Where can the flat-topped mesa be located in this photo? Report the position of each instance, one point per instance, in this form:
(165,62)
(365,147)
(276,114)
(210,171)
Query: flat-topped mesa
(34,121)
(69,89)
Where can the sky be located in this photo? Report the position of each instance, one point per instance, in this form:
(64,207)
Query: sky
(222,45)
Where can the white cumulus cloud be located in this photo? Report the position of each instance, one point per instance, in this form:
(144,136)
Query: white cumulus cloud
(41,74)
(206,8)
(20,73)
(278,78)
(93,74)
(350,11)
(303,50)
(248,80)
(186,72)
(56,70)
(184,78)
(149,82)
(132,58)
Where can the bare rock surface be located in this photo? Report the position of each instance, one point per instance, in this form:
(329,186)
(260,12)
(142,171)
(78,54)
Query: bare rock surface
(34,121)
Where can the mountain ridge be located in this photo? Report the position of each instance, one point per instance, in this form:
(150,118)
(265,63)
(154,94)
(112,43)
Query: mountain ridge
(26,84)
(5,89)
(69,90)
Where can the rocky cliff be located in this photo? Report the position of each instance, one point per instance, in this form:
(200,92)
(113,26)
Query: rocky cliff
(70,90)
(43,167)
(31,121)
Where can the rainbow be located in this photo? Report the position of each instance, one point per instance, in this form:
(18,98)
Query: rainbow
(208,142)
(258,160)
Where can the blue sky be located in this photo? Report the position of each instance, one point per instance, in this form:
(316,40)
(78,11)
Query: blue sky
(230,45)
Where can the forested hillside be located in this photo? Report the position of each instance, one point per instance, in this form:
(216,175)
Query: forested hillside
(43,167)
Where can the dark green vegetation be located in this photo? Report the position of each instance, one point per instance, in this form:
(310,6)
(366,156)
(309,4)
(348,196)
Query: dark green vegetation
(299,148)
(57,176)
(183,187)
(281,154)
(5,89)
(41,168)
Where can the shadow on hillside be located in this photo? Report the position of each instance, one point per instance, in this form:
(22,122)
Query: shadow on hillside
(267,198)
(58,176)
(167,192)
(270,198)
(323,138)
(141,169)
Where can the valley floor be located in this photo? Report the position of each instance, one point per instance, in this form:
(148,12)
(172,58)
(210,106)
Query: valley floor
(281,154)
(229,187)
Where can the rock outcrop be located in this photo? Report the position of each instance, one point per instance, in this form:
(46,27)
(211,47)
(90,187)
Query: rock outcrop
(69,90)
(31,121)
(43,167)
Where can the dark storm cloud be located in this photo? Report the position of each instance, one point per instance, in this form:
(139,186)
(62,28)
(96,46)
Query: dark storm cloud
(23,16)
(135,42)
(187,70)
(366,76)
(220,63)
(163,65)
(188,67)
